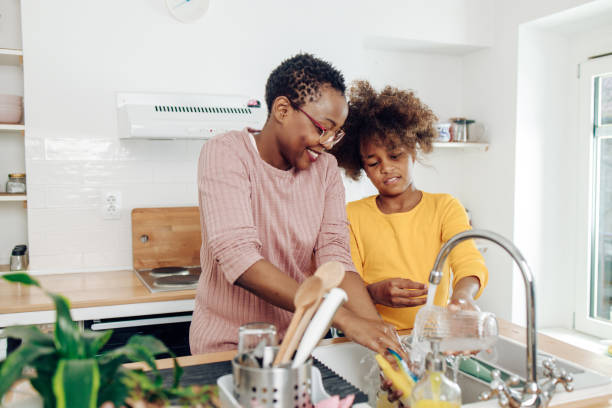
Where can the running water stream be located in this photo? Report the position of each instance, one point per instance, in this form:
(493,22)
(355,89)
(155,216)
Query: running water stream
(431,294)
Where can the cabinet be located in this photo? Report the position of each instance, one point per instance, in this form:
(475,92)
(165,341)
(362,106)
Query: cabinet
(13,212)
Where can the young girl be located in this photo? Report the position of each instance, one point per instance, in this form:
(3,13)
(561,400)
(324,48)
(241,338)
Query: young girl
(272,210)
(396,235)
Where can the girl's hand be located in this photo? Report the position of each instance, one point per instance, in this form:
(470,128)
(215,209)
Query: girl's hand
(398,292)
(463,295)
(458,302)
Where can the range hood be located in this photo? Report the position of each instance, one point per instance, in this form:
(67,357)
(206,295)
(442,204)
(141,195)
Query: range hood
(185,116)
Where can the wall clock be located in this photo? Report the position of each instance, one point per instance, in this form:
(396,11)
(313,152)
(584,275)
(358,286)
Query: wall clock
(187,11)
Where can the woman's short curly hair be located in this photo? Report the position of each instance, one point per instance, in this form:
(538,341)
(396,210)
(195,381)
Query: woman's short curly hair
(300,78)
(392,118)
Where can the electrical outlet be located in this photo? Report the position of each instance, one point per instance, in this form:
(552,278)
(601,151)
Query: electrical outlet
(111,205)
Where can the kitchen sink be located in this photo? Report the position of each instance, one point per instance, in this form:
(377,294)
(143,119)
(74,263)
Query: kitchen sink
(356,365)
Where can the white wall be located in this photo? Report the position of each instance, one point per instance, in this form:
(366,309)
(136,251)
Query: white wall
(490,92)
(530,165)
(543,213)
(79,54)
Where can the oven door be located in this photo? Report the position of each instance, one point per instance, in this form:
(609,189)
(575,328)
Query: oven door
(172,329)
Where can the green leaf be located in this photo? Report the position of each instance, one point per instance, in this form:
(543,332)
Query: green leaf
(45,389)
(43,382)
(29,334)
(152,344)
(67,335)
(93,341)
(76,383)
(178,372)
(112,387)
(21,278)
(12,368)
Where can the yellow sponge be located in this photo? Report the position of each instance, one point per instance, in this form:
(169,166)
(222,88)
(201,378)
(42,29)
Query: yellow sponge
(610,350)
(400,381)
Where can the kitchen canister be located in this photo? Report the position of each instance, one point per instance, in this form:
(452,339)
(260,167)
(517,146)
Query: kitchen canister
(16,183)
(444,133)
(280,386)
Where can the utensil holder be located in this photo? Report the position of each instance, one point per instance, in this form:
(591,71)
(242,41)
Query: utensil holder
(273,387)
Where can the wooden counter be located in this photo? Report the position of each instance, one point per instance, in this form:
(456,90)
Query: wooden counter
(87,289)
(92,295)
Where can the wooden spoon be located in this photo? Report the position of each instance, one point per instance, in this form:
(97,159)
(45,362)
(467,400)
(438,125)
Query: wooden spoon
(331,274)
(309,292)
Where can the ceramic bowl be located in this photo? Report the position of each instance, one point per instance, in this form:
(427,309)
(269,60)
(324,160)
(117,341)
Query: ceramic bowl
(10,115)
(11,99)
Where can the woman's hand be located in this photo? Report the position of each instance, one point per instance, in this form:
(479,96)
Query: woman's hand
(374,334)
(398,292)
(393,395)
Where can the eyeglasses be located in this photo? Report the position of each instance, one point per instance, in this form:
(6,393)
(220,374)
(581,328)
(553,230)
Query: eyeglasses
(326,137)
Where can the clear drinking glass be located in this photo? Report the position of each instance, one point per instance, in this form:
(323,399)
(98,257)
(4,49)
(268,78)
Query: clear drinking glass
(456,331)
(250,335)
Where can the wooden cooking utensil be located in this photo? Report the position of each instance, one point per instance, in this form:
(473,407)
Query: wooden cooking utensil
(331,274)
(308,293)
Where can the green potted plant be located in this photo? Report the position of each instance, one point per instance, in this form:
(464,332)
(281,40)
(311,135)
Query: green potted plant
(69,370)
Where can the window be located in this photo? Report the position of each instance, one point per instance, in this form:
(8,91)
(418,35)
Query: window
(594,297)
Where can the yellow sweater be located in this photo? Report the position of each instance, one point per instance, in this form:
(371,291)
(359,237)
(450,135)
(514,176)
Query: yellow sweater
(405,245)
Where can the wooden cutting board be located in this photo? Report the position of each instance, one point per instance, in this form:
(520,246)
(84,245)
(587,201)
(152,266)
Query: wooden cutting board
(168,236)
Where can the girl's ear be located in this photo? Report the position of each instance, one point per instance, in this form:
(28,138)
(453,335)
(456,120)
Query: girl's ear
(280,109)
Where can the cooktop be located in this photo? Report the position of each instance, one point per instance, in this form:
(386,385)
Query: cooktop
(169,278)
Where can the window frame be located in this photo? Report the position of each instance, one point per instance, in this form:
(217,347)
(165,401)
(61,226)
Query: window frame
(587,169)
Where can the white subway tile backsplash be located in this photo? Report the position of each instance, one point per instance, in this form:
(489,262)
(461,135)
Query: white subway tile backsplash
(80,149)
(155,150)
(72,196)
(98,240)
(125,240)
(61,262)
(192,193)
(115,172)
(193,149)
(55,172)
(175,172)
(34,148)
(37,197)
(108,260)
(67,180)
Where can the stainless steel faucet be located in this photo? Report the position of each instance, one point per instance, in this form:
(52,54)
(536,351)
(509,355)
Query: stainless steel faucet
(533,394)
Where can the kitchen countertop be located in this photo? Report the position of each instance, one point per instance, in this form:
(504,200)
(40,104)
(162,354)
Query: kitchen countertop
(602,397)
(91,295)
(115,293)
(584,358)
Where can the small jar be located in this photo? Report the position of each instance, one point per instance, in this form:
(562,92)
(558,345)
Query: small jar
(16,183)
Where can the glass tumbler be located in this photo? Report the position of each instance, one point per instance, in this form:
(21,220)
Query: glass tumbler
(250,335)
(456,331)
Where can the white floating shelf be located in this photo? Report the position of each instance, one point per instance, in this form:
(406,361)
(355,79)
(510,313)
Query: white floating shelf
(483,147)
(9,56)
(403,44)
(13,197)
(12,128)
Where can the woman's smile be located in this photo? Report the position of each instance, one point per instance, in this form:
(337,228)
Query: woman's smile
(312,154)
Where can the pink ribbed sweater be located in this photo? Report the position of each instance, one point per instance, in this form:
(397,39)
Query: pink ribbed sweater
(250,210)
